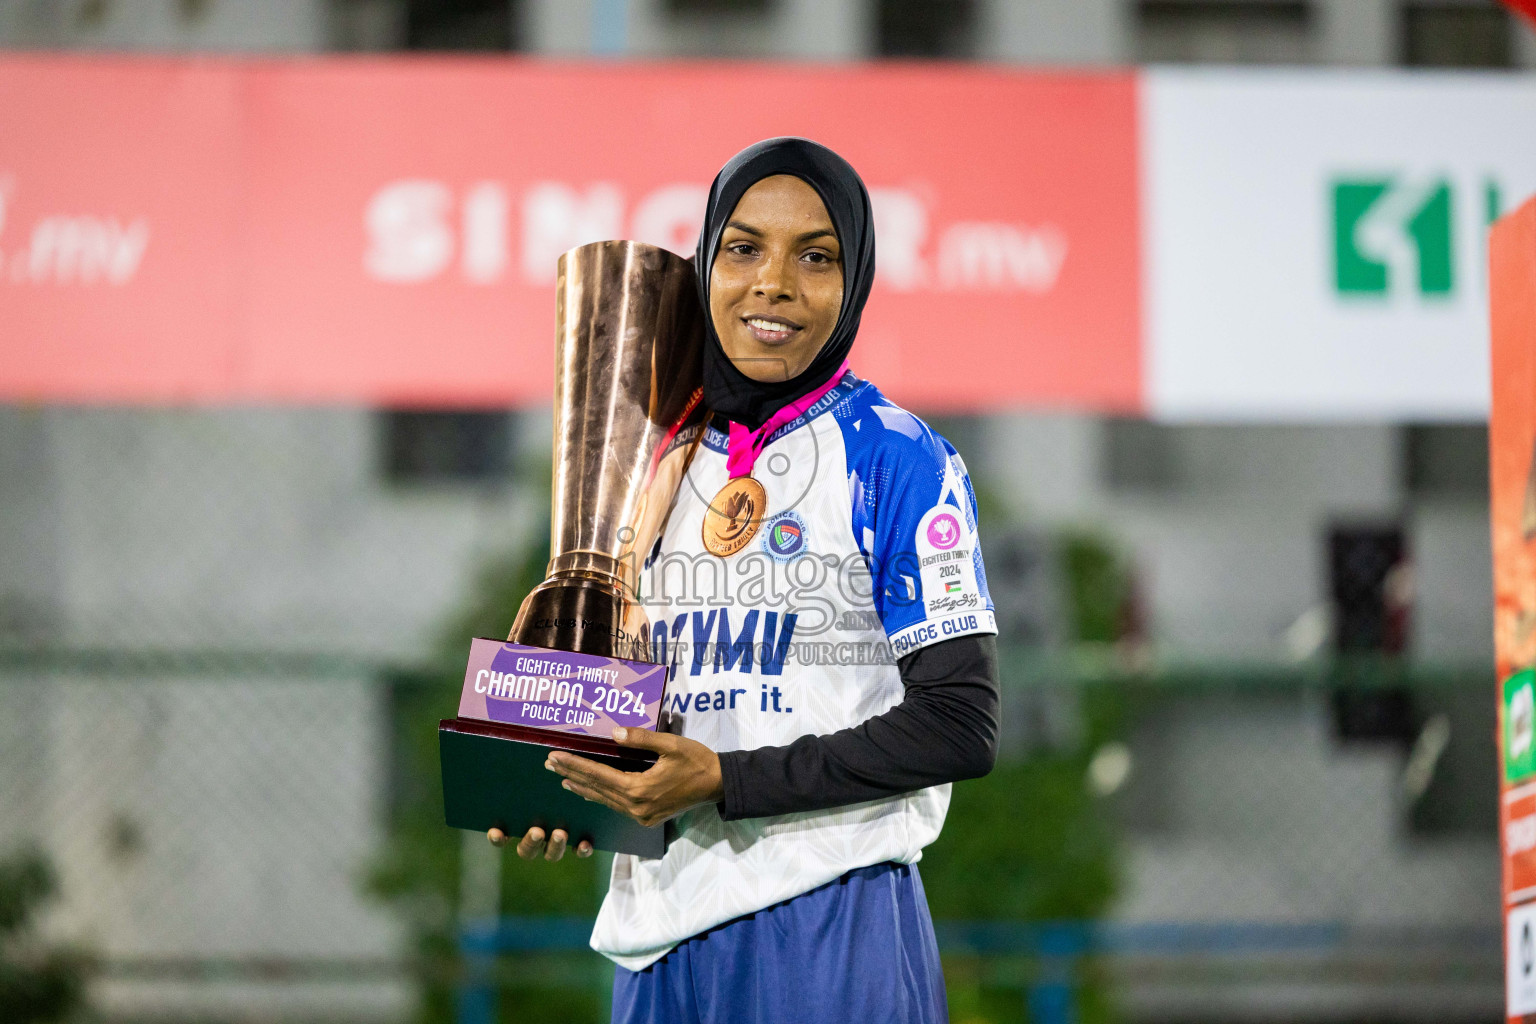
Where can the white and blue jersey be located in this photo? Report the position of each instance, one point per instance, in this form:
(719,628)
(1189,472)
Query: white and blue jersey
(867,552)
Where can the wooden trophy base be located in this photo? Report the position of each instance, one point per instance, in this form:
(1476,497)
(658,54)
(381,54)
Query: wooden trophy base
(494,777)
(493,772)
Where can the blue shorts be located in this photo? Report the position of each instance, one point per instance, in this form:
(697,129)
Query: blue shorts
(860,948)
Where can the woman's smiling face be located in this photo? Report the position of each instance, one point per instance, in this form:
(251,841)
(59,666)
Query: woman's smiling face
(776,286)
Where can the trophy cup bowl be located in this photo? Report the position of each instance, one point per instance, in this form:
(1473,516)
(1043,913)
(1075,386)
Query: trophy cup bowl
(628,338)
(628,367)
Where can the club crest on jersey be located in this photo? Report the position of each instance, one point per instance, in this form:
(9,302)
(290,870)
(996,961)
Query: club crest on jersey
(784,536)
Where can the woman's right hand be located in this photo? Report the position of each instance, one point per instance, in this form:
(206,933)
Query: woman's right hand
(532,845)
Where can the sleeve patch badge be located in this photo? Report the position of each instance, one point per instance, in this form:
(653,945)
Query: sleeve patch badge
(946,553)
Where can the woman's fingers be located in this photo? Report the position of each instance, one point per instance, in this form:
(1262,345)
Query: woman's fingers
(588,772)
(598,796)
(532,844)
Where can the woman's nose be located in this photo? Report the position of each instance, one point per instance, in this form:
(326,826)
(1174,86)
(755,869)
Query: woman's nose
(774,280)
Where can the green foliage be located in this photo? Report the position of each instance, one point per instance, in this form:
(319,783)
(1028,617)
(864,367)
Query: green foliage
(976,998)
(37,984)
(573,1004)
(1097,586)
(1029,842)
(1026,843)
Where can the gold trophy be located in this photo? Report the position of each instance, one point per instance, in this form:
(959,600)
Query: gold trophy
(629,334)
(628,339)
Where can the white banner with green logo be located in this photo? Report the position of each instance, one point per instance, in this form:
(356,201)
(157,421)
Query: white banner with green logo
(1315,241)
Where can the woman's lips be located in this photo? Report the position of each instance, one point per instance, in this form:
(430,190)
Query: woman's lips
(771,330)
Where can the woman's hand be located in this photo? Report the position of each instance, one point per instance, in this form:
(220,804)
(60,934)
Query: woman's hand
(532,844)
(686,774)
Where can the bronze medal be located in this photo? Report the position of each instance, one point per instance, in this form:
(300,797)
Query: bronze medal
(732,518)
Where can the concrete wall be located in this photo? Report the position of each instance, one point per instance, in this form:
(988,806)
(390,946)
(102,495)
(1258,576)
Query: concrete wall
(165,25)
(797,29)
(1230,549)
(245,529)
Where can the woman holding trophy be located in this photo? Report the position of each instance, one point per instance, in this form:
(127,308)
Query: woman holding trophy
(814,725)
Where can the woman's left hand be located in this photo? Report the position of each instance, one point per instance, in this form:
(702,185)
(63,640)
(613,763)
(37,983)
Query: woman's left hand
(686,773)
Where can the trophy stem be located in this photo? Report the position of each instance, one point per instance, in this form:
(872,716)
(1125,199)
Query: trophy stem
(596,565)
(583,611)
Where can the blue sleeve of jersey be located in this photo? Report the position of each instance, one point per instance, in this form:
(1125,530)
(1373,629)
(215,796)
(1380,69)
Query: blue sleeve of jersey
(914,519)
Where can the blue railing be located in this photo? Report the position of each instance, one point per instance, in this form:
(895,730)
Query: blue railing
(1057,948)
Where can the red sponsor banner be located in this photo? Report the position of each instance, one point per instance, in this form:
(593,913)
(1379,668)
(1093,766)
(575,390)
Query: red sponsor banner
(119,237)
(1512,450)
(385,230)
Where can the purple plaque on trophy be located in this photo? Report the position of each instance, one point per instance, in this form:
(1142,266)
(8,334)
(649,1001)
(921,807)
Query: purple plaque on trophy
(559,691)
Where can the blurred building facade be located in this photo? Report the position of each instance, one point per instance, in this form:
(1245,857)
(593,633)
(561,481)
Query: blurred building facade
(351,534)
(1351,33)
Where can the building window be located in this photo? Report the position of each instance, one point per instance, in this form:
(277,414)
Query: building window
(720,28)
(460,25)
(447,447)
(1457,35)
(1445,460)
(1224,32)
(927,28)
(1371,587)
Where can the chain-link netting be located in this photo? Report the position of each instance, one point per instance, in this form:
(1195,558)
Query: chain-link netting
(1197,848)
(226,637)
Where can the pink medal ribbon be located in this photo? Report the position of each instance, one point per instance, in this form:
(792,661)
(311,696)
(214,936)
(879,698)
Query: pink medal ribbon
(743,446)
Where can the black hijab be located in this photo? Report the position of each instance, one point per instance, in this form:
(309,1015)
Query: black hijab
(726,389)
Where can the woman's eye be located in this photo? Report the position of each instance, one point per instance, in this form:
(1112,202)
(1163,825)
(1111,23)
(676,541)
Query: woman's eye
(740,248)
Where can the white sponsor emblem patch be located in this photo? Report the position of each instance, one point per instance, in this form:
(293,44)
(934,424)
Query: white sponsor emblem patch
(946,561)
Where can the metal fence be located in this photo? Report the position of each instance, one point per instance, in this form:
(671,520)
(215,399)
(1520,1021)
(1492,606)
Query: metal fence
(1157,845)
(217,724)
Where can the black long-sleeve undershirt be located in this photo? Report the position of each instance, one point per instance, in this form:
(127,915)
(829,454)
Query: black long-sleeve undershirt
(944,730)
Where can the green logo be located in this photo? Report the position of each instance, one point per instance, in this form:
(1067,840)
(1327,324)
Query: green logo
(1392,234)
(1422,218)
(1519,719)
